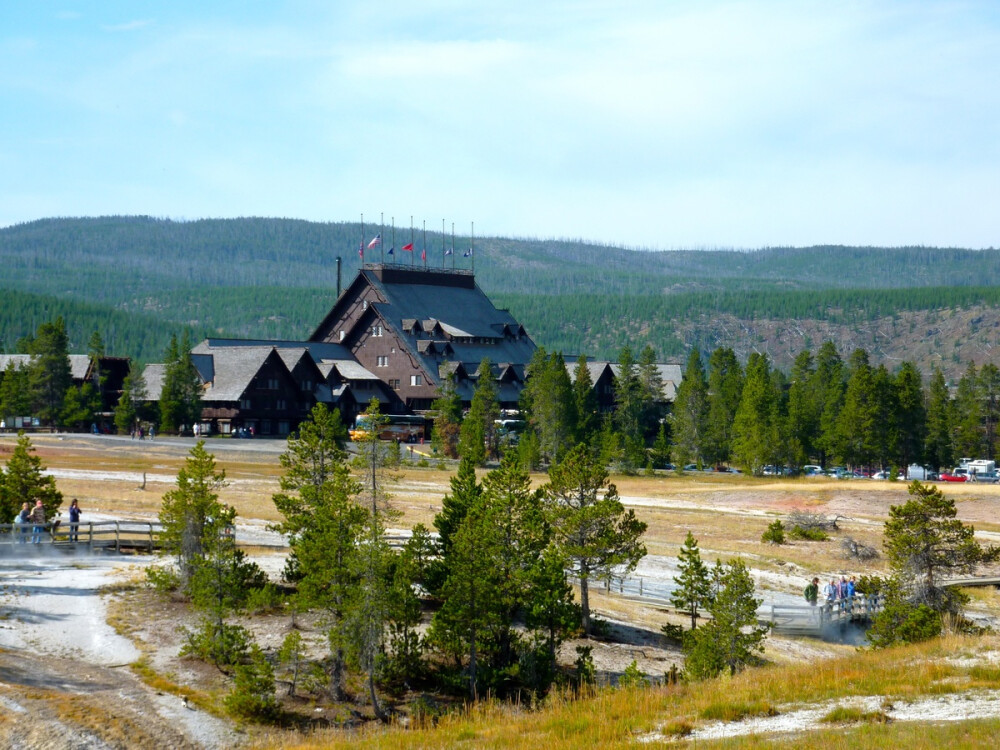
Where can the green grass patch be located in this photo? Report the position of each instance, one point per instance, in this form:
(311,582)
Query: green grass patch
(853,715)
(737,711)
(989,673)
(808,535)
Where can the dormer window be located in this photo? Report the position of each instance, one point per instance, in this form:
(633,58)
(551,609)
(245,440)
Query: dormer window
(376,330)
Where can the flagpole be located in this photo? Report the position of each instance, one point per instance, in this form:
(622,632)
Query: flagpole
(411,240)
(361,247)
(472,247)
(393,245)
(452,244)
(423,244)
(381,228)
(442,243)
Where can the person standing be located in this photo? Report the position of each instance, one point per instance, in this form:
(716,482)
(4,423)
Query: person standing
(38,522)
(74,520)
(812,592)
(23,519)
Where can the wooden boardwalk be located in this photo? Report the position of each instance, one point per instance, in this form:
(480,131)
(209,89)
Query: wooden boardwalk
(92,536)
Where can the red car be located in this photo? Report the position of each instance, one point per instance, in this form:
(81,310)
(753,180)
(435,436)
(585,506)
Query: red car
(949,477)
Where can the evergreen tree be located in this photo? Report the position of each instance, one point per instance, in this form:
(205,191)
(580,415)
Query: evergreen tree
(15,393)
(829,389)
(96,350)
(755,426)
(447,411)
(886,432)
(925,542)
(911,416)
(689,421)
(80,406)
(938,447)
(989,389)
(455,506)
(968,415)
(804,410)
(180,397)
(49,374)
(131,405)
(732,638)
(694,586)
(471,610)
(627,415)
(193,518)
(588,421)
(515,512)
(551,610)
(24,482)
(478,438)
(552,410)
(725,386)
(650,392)
(594,531)
(858,419)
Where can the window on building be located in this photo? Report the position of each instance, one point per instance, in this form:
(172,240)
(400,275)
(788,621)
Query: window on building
(244,403)
(382,360)
(394,384)
(271,384)
(342,334)
(416,379)
(307,385)
(364,304)
(376,330)
(280,404)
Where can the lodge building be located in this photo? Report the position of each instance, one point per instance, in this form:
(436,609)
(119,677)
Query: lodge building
(395,333)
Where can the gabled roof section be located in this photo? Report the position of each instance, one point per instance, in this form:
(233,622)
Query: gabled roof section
(235,368)
(153,377)
(79,364)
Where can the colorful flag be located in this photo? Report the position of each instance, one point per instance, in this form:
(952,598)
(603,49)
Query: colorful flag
(390,251)
(448,252)
(376,241)
(408,247)
(467,253)
(423,254)
(361,250)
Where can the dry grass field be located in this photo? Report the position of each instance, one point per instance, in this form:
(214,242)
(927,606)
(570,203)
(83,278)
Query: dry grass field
(726,513)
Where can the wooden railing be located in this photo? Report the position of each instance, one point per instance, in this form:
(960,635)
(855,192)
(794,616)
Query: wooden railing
(136,536)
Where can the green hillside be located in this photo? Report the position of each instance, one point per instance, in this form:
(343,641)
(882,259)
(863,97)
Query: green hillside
(138,279)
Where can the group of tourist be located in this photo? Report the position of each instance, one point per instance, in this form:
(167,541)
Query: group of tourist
(35,518)
(840,592)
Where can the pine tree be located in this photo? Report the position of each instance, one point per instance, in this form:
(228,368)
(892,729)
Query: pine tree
(911,416)
(733,638)
(447,412)
(989,389)
(650,392)
(694,588)
(193,518)
(925,542)
(588,422)
(755,426)
(49,373)
(968,415)
(551,609)
(455,506)
(627,414)
(938,446)
(829,390)
(180,397)
(858,419)
(725,386)
(804,410)
(592,530)
(15,393)
(689,421)
(478,437)
(131,404)
(24,482)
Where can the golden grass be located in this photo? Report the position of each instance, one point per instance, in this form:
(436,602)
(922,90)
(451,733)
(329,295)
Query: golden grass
(615,718)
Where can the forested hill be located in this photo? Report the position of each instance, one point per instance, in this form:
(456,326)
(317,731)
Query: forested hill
(277,277)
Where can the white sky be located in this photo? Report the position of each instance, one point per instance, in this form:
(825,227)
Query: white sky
(649,124)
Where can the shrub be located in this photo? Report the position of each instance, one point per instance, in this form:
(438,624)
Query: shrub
(673,633)
(163,580)
(737,711)
(851,715)
(855,550)
(632,676)
(252,696)
(808,534)
(217,642)
(775,533)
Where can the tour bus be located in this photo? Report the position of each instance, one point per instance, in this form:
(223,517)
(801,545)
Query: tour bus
(406,428)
